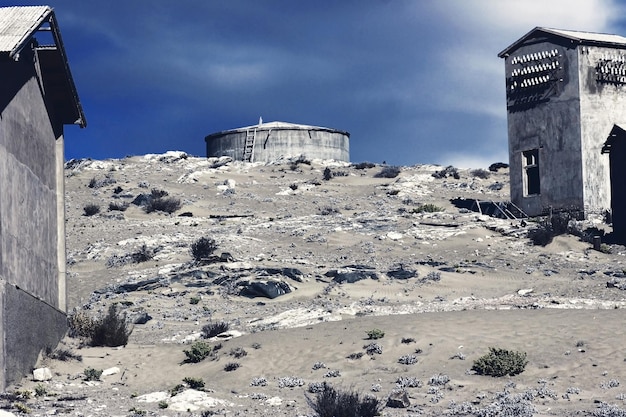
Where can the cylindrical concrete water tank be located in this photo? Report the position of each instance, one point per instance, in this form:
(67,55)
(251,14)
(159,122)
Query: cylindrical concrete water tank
(268,142)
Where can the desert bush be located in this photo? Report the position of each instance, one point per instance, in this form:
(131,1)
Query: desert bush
(407,340)
(118,206)
(332,403)
(375,334)
(480,173)
(213,329)
(608,410)
(165,204)
(80,324)
(40,390)
(390,171)
(197,352)
(238,352)
(91,374)
(231,366)
(318,365)
(96,183)
(156,193)
(194,383)
(356,355)
(194,300)
(438,380)
(408,382)
(258,382)
(500,362)
(329,174)
(497,165)
(111,330)
(333,373)
(407,360)
(290,382)
(427,208)
(91,209)
(364,165)
(448,171)
(203,248)
(327,211)
(373,349)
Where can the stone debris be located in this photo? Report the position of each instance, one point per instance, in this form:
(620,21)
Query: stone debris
(42,374)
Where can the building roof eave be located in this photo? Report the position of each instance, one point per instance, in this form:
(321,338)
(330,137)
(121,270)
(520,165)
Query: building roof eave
(577,37)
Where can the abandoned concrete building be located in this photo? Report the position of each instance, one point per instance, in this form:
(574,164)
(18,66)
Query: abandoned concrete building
(267,142)
(37,98)
(565,93)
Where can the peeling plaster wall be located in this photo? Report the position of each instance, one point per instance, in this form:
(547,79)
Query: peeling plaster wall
(553,127)
(602,105)
(32,309)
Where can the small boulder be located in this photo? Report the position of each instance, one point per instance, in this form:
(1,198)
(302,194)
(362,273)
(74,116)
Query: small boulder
(42,374)
(398,399)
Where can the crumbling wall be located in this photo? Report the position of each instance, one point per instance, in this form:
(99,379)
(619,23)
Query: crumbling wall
(602,104)
(551,124)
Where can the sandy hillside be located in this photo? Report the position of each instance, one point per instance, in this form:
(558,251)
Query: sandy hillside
(443,286)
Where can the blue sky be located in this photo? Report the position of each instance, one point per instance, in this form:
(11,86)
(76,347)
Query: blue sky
(413,81)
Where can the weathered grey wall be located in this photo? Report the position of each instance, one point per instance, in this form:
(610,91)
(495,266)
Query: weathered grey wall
(554,128)
(602,105)
(32,311)
(272,144)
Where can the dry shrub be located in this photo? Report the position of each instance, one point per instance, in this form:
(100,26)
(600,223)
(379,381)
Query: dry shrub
(332,403)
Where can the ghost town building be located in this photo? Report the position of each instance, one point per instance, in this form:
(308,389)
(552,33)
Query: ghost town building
(37,98)
(267,142)
(565,94)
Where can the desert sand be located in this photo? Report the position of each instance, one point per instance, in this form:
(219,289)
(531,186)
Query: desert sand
(474,282)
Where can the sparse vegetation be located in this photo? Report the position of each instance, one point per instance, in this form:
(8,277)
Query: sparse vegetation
(203,248)
(390,171)
(329,174)
(332,403)
(212,329)
(448,171)
(165,204)
(91,209)
(408,359)
(91,374)
(364,165)
(231,366)
(194,383)
(427,208)
(197,352)
(373,349)
(238,352)
(375,334)
(500,362)
(480,173)
(111,330)
(327,211)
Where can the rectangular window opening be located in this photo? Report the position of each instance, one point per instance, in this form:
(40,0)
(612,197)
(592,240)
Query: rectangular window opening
(530,162)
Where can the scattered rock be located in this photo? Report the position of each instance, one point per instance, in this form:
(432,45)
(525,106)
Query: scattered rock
(111,371)
(398,399)
(524,291)
(267,289)
(351,276)
(401,273)
(42,374)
